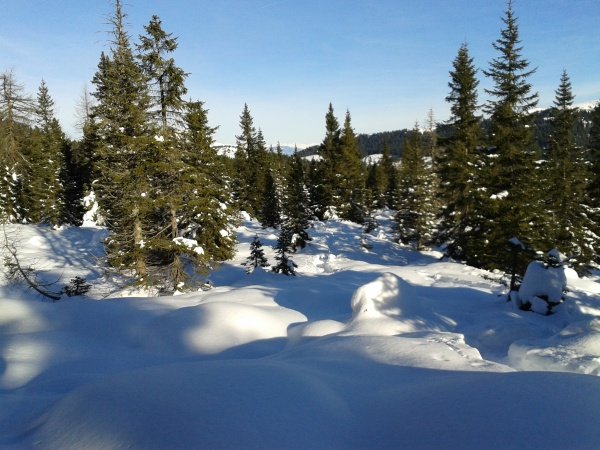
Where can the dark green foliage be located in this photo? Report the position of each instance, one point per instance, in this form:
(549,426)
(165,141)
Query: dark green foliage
(270,215)
(513,206)
(328,167)
(593,191)
(250,166)
(459,164)
(568,225)
(77,286)
(295,205)
(285,265)
(125,148)
(15,112)
(415,216)
(350,179)
(43,198)
(167,81)
(257,256)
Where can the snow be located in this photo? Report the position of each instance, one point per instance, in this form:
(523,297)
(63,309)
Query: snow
(542,282)
(385,348)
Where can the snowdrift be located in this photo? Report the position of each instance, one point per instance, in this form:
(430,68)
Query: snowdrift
(368,347)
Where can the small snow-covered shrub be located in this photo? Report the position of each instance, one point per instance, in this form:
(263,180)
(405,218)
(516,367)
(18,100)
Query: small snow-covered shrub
(77,286)
(543,287)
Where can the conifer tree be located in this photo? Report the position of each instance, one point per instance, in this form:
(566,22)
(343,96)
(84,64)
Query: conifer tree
(166,79)
(250,162)
(44,192)
(325,195)
(414,217)
(350,182)
(513,206)
(390,174)
(295,207)
(375,187)
(257,257)
(569,227)
(285,265)
(458,167)
(15,114)
(124,149)
(593,189)
(271,207)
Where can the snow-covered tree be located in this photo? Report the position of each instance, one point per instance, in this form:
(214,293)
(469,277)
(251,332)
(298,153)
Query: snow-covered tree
(257,256)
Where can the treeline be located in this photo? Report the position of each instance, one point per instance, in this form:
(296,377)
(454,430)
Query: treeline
(171,201)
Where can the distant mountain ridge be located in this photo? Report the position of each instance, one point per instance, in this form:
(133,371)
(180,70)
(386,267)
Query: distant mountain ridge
(370,144)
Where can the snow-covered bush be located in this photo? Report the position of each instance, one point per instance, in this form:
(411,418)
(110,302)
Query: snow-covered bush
(543,285)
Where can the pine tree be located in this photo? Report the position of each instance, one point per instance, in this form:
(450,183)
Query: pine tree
(257,256)
(513,206)
(285,265)
(415,217)
(568,227)
(350,182)
(124,150)
(390,174)
(375,187)
(325,192)
(44,191)
(167,80)
(593,189)
(295,205)
(271,207)
(250,162)
(459,165)
(16,108)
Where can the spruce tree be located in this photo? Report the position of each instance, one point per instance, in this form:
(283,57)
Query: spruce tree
(44,191)
(124,150)
(569,226)
(295,205)
(350,180)
(326,192)
(257,257)
(16,108)
(459,164)
(167,81)
(593,189)
(390,174)
(415,217)
(285,265)
(250,162)
(271,207)
(513,205)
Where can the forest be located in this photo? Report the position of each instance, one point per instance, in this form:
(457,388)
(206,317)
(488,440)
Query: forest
(469,186)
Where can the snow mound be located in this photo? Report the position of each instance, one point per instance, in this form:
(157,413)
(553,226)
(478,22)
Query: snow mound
(215,327)
(541,282)
(318,328)
(378,298)
(574,349)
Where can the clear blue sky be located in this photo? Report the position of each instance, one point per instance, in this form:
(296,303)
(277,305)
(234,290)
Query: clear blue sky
(387,61)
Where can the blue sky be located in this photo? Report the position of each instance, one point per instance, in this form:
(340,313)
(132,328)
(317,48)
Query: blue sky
(386,61)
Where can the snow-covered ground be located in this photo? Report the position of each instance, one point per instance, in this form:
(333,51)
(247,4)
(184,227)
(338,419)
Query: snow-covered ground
(370,346)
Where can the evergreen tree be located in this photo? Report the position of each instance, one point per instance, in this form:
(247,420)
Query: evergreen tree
(569,227)
(326,192)
(459,165)
(285,264)
(390,174)
(415,217)
(15,114)
(295,207)
(350,180)
(44,192)
(125,147)
(513,207)
(375,187)
(593,189)
(257,256)
(271,207)
(167,80)
(250,165)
